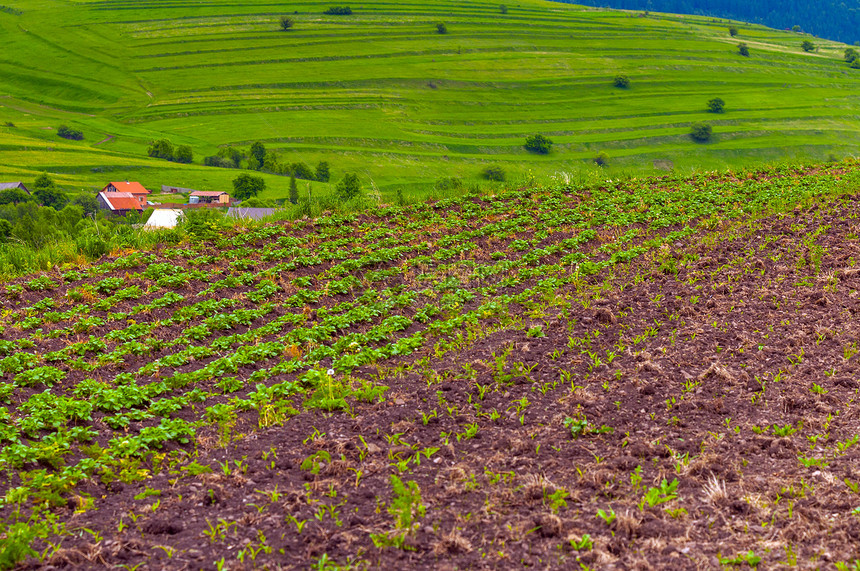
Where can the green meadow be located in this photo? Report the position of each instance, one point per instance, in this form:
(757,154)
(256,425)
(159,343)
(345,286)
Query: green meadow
(382,94)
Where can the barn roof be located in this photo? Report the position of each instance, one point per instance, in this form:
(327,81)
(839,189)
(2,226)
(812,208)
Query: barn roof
(126,186)
(8,185)
(121,200)
(207,193)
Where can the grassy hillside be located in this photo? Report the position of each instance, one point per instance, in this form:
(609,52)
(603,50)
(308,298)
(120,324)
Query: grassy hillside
(382,93)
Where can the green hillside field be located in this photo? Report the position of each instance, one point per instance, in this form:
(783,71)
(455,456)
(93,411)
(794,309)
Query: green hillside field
(381,93)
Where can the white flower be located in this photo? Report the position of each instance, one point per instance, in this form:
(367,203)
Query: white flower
(330,372)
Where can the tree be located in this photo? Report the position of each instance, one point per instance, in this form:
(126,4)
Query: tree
(441,28)
(87,202)
(621,81)
(5,229)
(13,196)
(67,133)
(701,132)
(322,173)
(796,28)
(855,64)
(161,149)
(294,190)
(716,105)
(348,187)
(494,172)
(258,155)
(338,11)
(183,154)
(286,23)
(851,55)
(246,186)
(602,159)
(743,49)
(807,46)
(503,9)
(733,31)
(47,193)
(538,144)
(301,170)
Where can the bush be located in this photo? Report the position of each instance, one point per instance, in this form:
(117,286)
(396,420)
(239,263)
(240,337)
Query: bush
(621,81)
(68,133)
(538,144)
(348,187)
(448,183)
(602,159)
(339,11)
(503,9)
(287,23)
(716,105)
(322,173)
(743,49)
(160,149)
(302,171)
(246,186)
(183,154)
(807,46)
(701,132)
(493,172)
(441,28)
(733,31)
(851,55)
(294,190)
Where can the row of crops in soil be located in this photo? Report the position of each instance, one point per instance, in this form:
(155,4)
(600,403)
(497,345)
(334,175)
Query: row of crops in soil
(644,372)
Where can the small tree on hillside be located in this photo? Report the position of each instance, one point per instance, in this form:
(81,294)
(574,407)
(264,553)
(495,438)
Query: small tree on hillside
(716,105)
(47,193)
(494,172)
(602,159)
(807,46)
(67,133)
(538,144)
(441,28)
(183,154)
(701,132)
(294,190)
(322,173)
(348,187)
(161,149)
(851,55)
(733,31)
(621,81)
(245,186)
(287,23)
(503,9)
(743,49)
(258,156)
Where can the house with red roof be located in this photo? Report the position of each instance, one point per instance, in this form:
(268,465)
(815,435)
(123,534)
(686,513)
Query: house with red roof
(119,202)
(133,188)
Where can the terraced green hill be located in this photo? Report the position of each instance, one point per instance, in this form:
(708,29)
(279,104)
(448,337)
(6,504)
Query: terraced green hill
(382,93)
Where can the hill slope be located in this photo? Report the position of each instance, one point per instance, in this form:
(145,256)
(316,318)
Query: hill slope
(382,93)
(655,373)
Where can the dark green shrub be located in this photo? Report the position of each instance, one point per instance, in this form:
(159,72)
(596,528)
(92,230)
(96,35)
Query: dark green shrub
(621,81)
(716,105)
(538,144)
(68,133)
(701,132)
(493,172)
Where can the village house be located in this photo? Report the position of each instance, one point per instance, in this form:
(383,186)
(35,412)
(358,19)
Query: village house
(208,197)
(133,188)
(119,202)
(11,185)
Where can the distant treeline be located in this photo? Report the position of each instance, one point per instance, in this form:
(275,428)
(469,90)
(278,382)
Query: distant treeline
(833,19)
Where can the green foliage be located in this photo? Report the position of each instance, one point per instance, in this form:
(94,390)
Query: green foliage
(348,187)
(601,159)
(246,186)
(733,31)
(294,190)
(258,155)
(660,495)
(448,183)
(701,132)
(287,23)
(716,105)
(322,173)
(807,46)
(851,55)
(160,149)
(67,133)
(743,49)
(183,154)
(538,144)
(503,9)
(47,193)
(621,81)
(441,28)
(338,11)
(494,173)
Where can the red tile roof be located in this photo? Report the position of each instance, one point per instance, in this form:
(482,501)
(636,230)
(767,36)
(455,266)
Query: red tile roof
(121,200)
(213,193)
(132,187)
